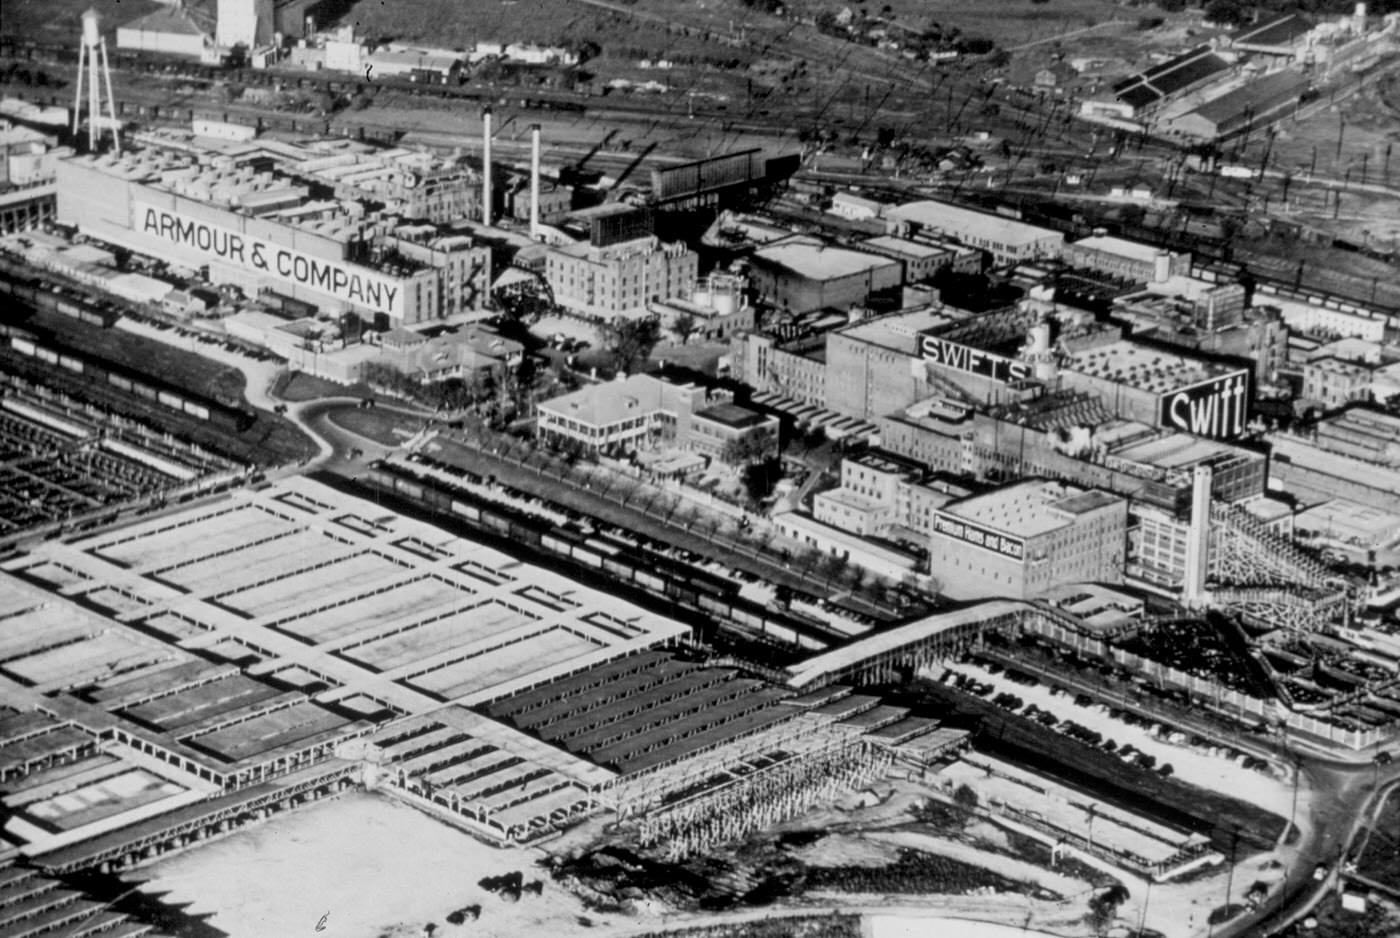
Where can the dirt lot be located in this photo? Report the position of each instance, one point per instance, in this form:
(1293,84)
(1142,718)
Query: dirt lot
(348,860)
(1007,22)
(1366,122)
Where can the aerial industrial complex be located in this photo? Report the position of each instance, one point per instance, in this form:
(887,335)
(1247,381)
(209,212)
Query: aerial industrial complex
(692,510)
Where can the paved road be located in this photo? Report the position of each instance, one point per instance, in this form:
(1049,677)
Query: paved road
(1341,820)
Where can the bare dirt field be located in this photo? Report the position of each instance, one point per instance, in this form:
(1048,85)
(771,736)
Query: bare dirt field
(371,866)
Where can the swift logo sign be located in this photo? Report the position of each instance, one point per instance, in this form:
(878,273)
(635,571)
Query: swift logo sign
(969,533)
(335,279)
(972,360)
(1216,408)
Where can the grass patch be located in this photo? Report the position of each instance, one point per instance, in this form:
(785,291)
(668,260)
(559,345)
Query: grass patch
(270,441)
(61,20)
(386,427)
(462,23)
(298,387)
(186,370)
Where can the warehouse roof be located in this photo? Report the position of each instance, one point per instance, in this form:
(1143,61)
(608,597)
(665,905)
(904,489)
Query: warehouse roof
(1174,451)
(1027,509)
(1121,247)
(1255,98)
(961,222)
(1139,366)
(165,21)
(900,331)
(1170,77)
(733,415)
(904,246)
(816,260)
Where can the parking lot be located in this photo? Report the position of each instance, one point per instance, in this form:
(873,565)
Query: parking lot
(1151,745)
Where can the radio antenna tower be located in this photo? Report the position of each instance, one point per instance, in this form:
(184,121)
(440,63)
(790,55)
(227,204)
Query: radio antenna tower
(93,47)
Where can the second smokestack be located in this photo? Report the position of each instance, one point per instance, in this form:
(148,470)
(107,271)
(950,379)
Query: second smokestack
(486,218)
(534,180)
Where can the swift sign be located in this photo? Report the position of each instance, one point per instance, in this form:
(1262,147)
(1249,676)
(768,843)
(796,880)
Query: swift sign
(974,361)
(339,280)
(1215,408)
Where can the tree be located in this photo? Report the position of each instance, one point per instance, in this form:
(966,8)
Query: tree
(758,446)
(965,797)
(524,302)
(1103,908)
(833,567)
(758,479)
(685,326)
(1227,12)
(630,340)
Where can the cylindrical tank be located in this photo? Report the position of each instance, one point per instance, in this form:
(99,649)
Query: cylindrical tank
(1040,338)
(92,28)
(1161,267)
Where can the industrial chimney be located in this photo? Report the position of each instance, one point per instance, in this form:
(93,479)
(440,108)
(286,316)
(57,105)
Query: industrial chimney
(535,181)
(1198,538)
(486,203)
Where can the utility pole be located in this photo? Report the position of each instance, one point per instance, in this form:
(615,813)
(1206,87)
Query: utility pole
(1341,131)
(1147,897)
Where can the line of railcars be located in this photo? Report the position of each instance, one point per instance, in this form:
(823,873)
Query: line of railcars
(677,580)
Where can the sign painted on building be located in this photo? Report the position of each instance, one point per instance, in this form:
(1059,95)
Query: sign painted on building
(1216,408)
(339,280)
(972,360)
(978,536)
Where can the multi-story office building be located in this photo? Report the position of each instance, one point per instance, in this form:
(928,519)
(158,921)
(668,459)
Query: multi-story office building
(795,369)
(622,278)
(1332,382)
(1027,539)
(885,494)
